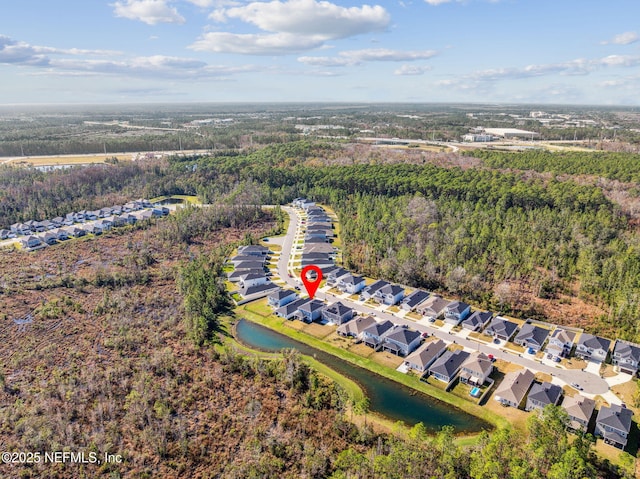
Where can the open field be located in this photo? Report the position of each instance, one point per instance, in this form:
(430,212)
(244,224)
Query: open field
(59,160)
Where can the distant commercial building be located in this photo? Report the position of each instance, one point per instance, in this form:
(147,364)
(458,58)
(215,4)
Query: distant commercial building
(510,133)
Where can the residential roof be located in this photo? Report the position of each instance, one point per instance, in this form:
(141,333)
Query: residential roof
(352,279)
(392,289)
(579,407)
(357,325)
(281,294)
(253,249)
(449,363)
(514,386)
(338,273)
(287,309)
(478,362)
(240,258)
(477,319)
(311,306)
(426,353)
(625,349)
(378,329)
(415,298)
(563,335)
(251,275)
(532,334)
(319,248)
(260,288)
(249,265)
(457,307)
(338,308)
(402,335)
(435,303)
(594,342)
(615,416)
(372,288)
(545,393)
(502,327)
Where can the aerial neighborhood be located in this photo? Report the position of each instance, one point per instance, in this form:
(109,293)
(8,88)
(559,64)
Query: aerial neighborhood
(445,342)
(34,235)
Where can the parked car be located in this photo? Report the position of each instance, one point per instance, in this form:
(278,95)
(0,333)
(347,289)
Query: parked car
(577,386)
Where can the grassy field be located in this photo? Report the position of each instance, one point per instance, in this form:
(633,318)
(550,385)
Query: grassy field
(59,160)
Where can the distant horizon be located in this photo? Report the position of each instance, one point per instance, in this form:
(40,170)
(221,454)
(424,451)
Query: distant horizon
(573,52)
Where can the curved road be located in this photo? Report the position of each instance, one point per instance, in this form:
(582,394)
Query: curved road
(591,383)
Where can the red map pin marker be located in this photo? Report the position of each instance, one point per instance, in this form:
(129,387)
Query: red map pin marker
(311,285)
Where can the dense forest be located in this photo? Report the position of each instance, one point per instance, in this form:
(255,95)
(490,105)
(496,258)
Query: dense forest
(616,166)
(497,238)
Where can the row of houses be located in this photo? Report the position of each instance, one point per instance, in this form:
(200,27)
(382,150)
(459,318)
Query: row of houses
(519,389)
(319,234)
(63,233)
(250,272)
(560,343)
(32,227)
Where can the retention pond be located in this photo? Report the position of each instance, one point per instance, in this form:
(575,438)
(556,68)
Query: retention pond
(386,397)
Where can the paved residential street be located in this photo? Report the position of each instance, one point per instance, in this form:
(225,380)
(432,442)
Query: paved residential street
(589,379)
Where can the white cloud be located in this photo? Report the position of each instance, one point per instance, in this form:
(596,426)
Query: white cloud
(79,62)
(356,57)
(150,12)
(625,38)
(406,69)
(291,26)
(255,44)
(312,17)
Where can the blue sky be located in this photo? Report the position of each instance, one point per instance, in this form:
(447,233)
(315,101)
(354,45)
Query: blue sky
(503,51)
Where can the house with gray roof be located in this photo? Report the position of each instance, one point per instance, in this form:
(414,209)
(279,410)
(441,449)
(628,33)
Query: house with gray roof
(337,313)
(543,394)
(613,424)
(253,250)
(355,327)
(560,343)
(579,409)
(514,388)
(433,307)
(279,298)
(412,300)
(425,355)
(401,341)
(253,279)
(476,369)
(501,328)
(335,275)
(258,290)
(290,310)
(241,258)
(531,336)
(456,312)
(370,291)
(311,311)
(477,320)
(319,248)
(374,334)
(592,348)
(447,366)
(389,294)
(351,284)
(626,356)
